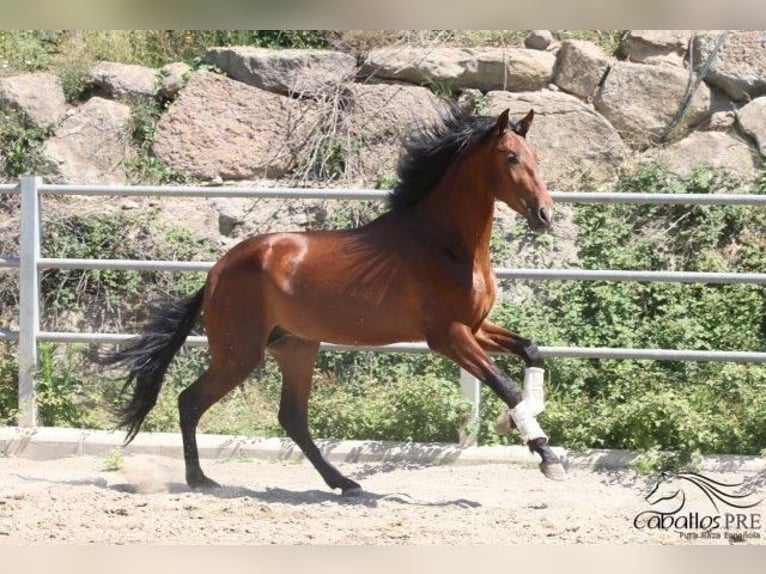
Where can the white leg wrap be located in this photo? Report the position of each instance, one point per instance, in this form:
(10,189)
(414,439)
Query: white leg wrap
(526,423)
(533,403)
(533,391)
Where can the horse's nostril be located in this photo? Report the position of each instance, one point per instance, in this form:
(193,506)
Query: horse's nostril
(545,215)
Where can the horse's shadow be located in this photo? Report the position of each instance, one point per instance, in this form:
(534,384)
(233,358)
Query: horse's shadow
(626,478)
(371,469)
(365,498)
(274,495)
(267,495)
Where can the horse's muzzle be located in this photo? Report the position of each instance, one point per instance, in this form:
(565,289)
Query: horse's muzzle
(540,219)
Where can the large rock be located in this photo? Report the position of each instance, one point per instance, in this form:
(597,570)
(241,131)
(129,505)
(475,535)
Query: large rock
(752,120)
(173,78)
(580,67)
(538,40)
(90,145)
(123,80)
(230,215)
(739,68)
(641,101)
(377,116)
(656,46)
(570,137)
(514,69)
(710,149)
(39,98)
(219,127)
(304,72)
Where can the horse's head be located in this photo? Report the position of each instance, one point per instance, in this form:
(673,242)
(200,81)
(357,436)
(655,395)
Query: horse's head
(521,185)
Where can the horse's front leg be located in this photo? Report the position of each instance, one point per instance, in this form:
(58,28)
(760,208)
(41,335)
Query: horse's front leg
(458,343)
(495,339)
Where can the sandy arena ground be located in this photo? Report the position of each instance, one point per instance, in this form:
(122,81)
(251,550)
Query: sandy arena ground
(74,500)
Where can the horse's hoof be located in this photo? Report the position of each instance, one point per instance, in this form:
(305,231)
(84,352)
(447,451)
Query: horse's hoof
(353,491)
(203,483)
(553,470)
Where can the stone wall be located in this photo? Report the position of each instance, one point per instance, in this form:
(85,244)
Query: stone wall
(316,117)
(686,97)
(682,96)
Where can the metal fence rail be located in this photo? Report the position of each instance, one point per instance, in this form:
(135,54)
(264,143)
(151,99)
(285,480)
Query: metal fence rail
(500,272)
(378,194)
(560,352)
(29,264)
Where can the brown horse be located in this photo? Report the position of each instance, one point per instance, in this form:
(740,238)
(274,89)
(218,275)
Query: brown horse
(419,272)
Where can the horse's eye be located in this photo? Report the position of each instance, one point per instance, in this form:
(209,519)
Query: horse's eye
(512,158)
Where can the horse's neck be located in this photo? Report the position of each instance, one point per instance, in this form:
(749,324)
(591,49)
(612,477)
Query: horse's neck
(462,209)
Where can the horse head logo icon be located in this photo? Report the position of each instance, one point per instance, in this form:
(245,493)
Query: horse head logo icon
(669,492)
(674,491)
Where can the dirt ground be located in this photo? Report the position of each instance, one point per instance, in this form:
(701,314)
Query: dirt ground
(75,500)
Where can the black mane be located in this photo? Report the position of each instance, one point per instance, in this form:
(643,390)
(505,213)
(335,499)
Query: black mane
(428,152)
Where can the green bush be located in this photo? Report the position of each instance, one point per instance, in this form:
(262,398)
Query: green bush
(9,383)
(109,295)
(62,387)
(655,407)
(21,144)
(69,391)
(686,407)
(28,50)
(63,397)
(143,166)
(417,408)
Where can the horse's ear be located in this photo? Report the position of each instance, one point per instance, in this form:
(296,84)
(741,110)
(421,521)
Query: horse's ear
(502,122)
(522,126)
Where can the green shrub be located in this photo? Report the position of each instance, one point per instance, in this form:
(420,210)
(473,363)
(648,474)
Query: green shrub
(21,144)
(63,397)
(686,407)
(9,383)
(76,83)
(657,407)
(28,50)
(108,295)
(143,166)
(418,408)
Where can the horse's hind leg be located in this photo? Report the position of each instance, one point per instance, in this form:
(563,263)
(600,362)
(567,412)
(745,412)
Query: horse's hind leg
(218,380)
(296,362)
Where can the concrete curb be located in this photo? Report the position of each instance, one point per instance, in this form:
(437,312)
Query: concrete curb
(49,443)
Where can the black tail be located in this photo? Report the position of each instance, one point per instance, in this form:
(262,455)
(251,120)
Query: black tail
(148,356)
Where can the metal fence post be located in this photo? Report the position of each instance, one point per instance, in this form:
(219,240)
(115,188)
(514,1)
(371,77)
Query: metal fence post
(470,389)
(29,298)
